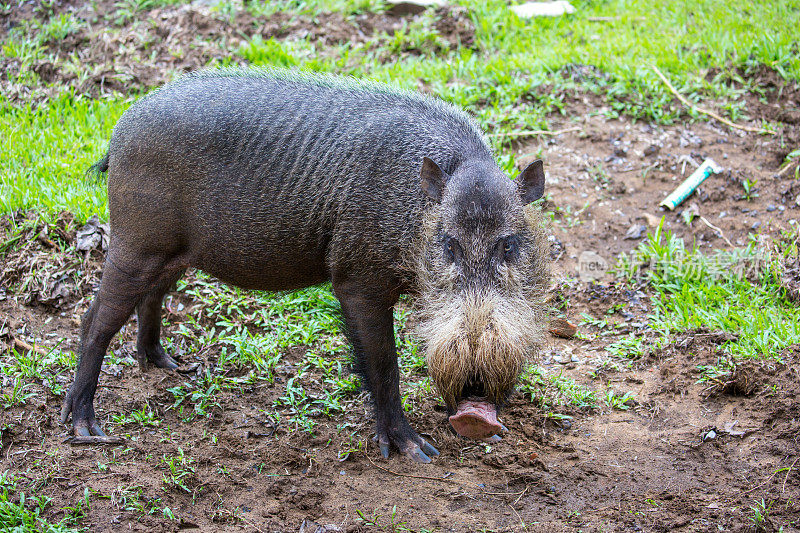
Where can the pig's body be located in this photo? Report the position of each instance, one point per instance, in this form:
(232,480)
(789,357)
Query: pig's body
(275,181)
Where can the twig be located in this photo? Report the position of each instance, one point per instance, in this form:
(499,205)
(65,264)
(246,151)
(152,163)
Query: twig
(521,494)
(446,478)
(521,521)
(712,226)
(94,439)
(772,475)
(789,471)
(530,133)
(518,493)
(785,171)
(19,343)
(686,102)
(405,475)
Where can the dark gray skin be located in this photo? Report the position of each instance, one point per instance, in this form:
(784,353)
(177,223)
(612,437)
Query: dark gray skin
(276,182)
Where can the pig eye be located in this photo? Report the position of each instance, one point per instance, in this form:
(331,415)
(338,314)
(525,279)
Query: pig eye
(510,248)
(450,249)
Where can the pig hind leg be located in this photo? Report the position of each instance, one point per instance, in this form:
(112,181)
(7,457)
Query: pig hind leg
(123,285)
(370,328)
(148,315)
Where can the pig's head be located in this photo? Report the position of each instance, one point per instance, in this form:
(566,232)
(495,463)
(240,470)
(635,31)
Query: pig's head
(482,273)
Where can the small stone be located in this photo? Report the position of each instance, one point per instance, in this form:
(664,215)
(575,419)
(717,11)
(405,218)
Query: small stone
(561,327)
(563,358)
(652,149)
(652,220)
(309,526)
(635,232)
(556,247)
(771,208)
(755,225)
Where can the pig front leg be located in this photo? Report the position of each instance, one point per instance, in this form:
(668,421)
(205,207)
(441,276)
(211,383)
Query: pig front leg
(369,321)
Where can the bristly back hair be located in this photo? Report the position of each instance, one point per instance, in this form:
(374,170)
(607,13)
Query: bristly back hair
(345,83)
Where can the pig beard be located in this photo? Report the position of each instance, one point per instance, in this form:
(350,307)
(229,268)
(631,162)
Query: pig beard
(481,335)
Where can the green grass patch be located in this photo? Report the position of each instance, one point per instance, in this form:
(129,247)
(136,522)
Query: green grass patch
(47,151)
(22,513)
(738,292)
(513,77)
(253,331)
(22,368)
(518,69)
(551,391)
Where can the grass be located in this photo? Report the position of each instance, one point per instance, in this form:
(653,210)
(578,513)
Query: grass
(47,150)
(253,331)
(517,68)
(738,292)
(132,498)
(554,390)
(32,375)
(180,473)
(760,515)
(514,76)
(24,513)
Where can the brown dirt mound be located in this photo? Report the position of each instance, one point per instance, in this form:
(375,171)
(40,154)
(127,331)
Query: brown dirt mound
(118,53)
(47,269)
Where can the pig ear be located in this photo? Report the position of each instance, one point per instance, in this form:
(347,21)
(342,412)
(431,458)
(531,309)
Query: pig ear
(432,179)
(530,182)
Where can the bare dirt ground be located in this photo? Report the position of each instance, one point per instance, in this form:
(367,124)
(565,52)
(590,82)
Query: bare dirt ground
(655,467)
(684,456)
(127,51)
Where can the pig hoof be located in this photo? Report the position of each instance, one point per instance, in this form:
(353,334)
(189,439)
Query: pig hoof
(166,362)
(84,423)
(414,447)
(155,356)
(92,430)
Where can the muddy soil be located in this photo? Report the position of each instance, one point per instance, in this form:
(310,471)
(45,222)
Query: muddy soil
(116,50)
(684,456)
(607,177)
